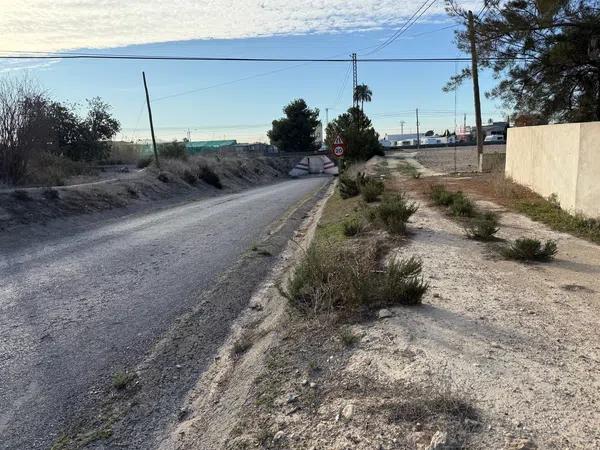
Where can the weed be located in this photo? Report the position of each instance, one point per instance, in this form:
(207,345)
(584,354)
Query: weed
(131,191)
(461,205)
(526,249)
(242,344)
(352,227)
(483,228)
(144,162)
(163,177)
(120,380)
(208,175)
(394,211)
(50,194)
(440,196)
(173,150)
(402,283)
(189,177)
(434,405)
(348,186)
(21,195)
(371,189)
(347,337)
(457,202)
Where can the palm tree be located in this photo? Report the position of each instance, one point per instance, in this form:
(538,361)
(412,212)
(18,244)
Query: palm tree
(362,94)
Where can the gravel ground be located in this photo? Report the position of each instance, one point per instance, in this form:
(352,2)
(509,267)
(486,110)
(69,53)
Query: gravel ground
(442,159)
(82,301)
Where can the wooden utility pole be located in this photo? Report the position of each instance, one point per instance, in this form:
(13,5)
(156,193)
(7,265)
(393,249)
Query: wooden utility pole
(151,123)
(418,135)
(402,122)
(475,74)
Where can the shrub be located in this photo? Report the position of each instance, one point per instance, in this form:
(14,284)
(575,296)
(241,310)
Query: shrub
(526,249)
(189,177)
(440,196)
(332,277)
(402,283)
(461,205)
(371,189)
(394,211)
(483,228)
(173,150)
(348,187)
(347,337)
(352,227)
(144,162)
(208,175)
(120,380)
(21,195)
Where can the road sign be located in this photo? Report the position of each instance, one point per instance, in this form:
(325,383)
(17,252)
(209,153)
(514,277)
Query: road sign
(339,146)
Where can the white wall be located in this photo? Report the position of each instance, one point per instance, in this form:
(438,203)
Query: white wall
(559,159)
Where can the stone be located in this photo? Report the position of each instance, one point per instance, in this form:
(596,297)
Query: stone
(279,436)
(521,444)
(439,441)
(292,397)
(304,382)
(348,411)
(313,384)
(384,313)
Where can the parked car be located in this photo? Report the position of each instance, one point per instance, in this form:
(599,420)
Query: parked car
(494,139)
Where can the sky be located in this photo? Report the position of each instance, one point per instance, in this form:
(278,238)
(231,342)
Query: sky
(239,100)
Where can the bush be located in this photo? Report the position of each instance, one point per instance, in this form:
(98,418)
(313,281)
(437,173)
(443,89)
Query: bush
(333,277)
(173,150)
(402,283)
(483,228)
(189,177)
(144,162)
(209,176)
(526,249)
(371,189)
(440,196)
(394,211)
(461,205)
(352,227)
(120,380)
(348,187)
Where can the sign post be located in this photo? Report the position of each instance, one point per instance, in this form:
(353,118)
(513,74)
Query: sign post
(339,148)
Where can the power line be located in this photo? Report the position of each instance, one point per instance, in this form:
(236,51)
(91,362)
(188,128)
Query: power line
(418,13)
(235,59)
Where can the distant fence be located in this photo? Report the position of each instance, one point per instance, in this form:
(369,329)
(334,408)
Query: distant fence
(558,159)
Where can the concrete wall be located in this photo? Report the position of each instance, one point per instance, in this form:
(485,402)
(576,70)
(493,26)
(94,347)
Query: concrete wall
(558,159)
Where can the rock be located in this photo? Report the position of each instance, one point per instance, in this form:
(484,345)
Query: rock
(418,426)
(436,295)
(292,397)
(521,444)
(304,382)
(384,313)
(279,436)
(439,441)
(313,384)
(124,169)
(183,413)
(348,411)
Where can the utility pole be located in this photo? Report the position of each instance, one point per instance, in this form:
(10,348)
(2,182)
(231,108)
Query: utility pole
(151,123)
(402,122)
(354,80)
(418,135)
(475,75)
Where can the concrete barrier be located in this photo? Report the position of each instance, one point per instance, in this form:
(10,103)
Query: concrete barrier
(561,159)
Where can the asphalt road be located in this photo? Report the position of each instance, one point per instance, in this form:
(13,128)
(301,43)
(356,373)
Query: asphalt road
(81,302)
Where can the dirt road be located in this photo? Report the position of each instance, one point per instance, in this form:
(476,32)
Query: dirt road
(81,302)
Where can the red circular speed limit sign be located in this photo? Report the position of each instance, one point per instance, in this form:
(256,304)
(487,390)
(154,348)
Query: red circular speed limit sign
(339,146)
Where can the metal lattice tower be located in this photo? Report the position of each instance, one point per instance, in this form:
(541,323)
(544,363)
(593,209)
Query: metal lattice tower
(354,80)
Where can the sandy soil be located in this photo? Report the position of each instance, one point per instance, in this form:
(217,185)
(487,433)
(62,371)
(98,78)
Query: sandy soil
(512,347)
(442,159)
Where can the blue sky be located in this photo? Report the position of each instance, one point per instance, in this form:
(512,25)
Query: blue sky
(214,100)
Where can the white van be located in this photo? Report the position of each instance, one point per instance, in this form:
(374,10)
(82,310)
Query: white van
(494,139)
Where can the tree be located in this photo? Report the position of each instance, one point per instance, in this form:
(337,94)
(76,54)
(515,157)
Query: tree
(296,131)
(357,130)
(542,53)
(429,133)
(23,126)
(362,94)
(82,138)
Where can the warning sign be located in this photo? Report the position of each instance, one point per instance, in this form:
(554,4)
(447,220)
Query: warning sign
(339,146)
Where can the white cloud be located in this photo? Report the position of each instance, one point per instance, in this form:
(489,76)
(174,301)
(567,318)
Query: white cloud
(54,25)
